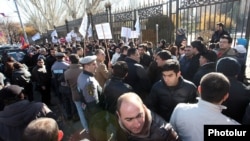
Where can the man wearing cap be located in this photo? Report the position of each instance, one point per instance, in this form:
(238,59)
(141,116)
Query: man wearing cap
(220,31)
(239,94)
(88,86)
(18,112)
(207,64)
(62,89)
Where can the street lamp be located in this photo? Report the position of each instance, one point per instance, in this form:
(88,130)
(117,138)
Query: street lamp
(24,33)
(108,10)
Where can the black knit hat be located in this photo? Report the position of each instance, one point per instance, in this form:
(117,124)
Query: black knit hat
(228,66)
(210,55)
(11,92)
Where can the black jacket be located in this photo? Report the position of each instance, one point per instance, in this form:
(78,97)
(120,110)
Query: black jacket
(137,78)
(113,88)
(207,68)
(163,99)
(238,100)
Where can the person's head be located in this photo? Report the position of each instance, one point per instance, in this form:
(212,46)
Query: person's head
(149,44)
(74,58)
(163,43)
(220,26)
(200,38)
(131,112)
(181,50)
(207,56)
(228,66)
(11,94)
(17,65)
(131,44)
(40,62)
(162,56)
(124,49)
(242,41)
(43,51)
(171,72)
(225,42)
(240,49)
(133,54)
(117,49)
(89,63)
(214,87)
(197,47)
(188,52)
(180,31)
(60,55)
(142,49)
(173,49)
(42,129)
(52,51)
(100,54)
(79,51)
(120,69)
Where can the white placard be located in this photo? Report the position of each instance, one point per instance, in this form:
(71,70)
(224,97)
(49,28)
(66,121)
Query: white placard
(103,31)
(126,32)
(134,34)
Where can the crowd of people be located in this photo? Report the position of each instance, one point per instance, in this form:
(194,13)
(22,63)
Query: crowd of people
(126,91)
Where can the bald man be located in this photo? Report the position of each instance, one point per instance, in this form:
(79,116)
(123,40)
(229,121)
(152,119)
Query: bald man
(140,123)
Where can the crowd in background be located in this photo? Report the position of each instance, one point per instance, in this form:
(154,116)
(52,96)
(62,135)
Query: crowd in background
(90,79)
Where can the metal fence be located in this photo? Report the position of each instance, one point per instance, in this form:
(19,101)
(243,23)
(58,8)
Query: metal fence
(197,17)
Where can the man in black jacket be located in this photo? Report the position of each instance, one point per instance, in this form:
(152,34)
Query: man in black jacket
(220,31)
(171,90)
(115,86)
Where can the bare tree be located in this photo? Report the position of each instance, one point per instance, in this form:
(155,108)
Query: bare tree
(45,14)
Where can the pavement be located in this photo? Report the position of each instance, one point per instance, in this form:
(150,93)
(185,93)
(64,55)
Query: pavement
(72,129)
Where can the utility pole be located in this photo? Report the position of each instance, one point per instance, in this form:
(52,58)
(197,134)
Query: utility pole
(24,33)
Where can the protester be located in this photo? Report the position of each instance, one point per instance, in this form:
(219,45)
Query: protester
(171,90)
(207,64)
(18,112)
(71,76)
(239,93)
(220,31)
(189,119)
(140,123)
(42,129)
(115,86)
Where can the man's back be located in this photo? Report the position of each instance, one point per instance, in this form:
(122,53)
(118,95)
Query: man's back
(189,119)
(15,117)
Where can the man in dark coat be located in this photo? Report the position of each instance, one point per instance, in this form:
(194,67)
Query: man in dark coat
(207,64)
(220,31)
(18,112)
(239,94)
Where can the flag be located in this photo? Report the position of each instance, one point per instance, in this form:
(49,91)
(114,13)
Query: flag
(84,25)
(36,36)
(3,14)
(73,34)
(137,25)
(90,34)
(54,34)
(54,37)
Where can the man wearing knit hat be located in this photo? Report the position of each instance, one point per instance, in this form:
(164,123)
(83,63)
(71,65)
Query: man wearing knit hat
(239,94)
(207,64)
(18,112)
